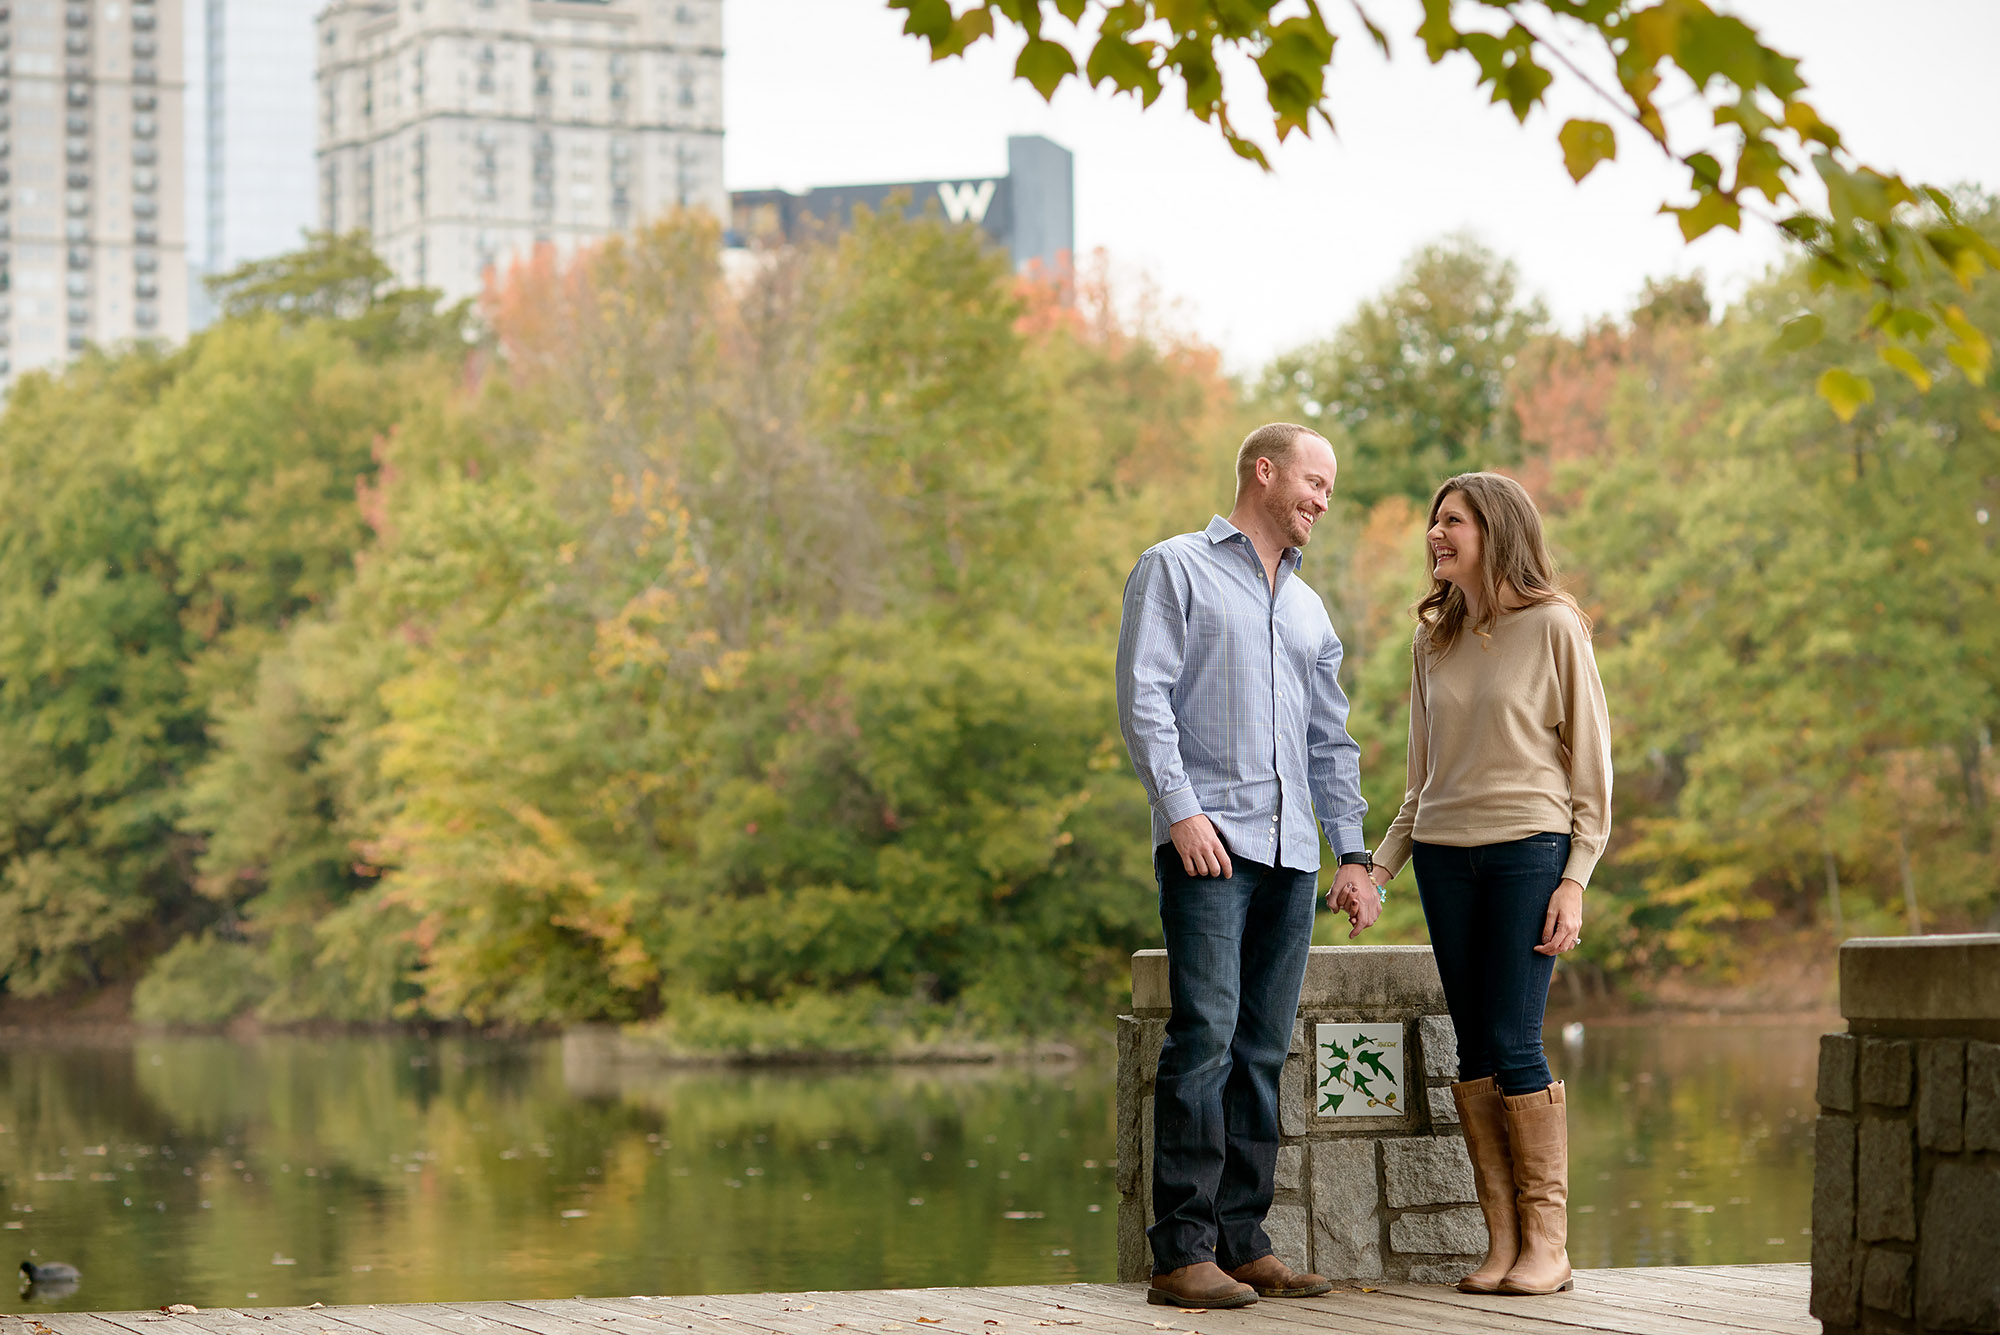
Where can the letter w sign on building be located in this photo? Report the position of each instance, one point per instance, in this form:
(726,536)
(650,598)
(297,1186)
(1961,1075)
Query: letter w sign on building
(966,201)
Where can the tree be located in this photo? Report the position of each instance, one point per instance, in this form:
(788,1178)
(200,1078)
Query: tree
(1882,236)
(1415,385)
(338,279)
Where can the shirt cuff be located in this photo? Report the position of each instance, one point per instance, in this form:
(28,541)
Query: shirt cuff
(1346,839)
(1582,862)
(1178,805)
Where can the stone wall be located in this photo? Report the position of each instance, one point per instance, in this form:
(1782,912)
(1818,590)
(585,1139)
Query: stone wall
(1360,1196)
(1906,1178)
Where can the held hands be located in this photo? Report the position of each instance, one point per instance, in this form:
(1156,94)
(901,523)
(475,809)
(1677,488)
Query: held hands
(1200,847)
(1356,895)
(1562,929)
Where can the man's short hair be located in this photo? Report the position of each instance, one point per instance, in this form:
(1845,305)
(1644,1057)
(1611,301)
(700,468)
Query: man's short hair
(1276,441)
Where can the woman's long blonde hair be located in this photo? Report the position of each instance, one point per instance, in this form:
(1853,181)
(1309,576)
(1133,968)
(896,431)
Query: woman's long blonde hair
(1513,551)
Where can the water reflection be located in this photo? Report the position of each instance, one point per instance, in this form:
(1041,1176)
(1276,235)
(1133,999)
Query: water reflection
(1690,1144)
(293,1170)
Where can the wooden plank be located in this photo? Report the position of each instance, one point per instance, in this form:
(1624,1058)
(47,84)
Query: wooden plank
(660,1313)
(1271,1316)
(1727,1279)
(567,1316)
(1663,1300)
(1437,1310)
(730,1310)
(919,1310)
(1025,1309)
(1583,1307)
(1700,1293)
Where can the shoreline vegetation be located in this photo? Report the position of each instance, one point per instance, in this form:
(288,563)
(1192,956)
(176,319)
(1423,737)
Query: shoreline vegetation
(727,657)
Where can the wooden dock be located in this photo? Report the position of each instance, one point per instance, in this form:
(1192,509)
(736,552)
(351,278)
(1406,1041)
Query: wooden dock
(1677,1300)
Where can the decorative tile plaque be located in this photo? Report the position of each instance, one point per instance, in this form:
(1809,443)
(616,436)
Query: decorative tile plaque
(1360,1070)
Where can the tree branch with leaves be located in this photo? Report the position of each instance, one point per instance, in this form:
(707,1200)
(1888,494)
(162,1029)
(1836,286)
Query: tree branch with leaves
(1878,234)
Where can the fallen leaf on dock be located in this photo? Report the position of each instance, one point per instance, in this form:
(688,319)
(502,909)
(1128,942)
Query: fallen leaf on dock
(179,1309)
(892,1325)
(931,1320)
(311,1306)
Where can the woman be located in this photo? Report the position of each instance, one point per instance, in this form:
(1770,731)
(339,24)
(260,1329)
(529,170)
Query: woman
(1505,815)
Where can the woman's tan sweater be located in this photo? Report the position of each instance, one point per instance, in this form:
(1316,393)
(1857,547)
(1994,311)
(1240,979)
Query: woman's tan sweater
(1509,736)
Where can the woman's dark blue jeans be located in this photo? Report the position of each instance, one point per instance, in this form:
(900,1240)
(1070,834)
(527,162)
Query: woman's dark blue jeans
(1236,957)
(1486,906)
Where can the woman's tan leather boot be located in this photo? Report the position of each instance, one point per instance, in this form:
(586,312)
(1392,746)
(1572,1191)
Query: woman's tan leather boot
(1538,1135)
(1485,1121)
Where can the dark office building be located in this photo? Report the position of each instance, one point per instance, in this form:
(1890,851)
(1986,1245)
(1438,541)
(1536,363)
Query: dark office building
(1029,210)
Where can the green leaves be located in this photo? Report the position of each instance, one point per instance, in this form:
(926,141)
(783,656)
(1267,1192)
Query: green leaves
(1845,392)
(1710,211)
(1045,65)
(1799,332)
(1584,145)
(1128,65)
(1882,232)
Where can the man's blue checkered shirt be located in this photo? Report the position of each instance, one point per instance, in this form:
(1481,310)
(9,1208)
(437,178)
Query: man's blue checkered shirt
(1229,698)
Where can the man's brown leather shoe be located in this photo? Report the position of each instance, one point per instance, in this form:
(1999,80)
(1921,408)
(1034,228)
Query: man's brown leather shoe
(1199,1285)
(1272,1278)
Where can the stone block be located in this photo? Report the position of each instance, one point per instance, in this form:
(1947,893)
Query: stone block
(1941,1094)
(1288,1229)
(1836,1284)
(1152,1037)
(1444,1108)
(1460,1232)
(1836,1071)
(1378,980)
(1958,1284)
(1982,1096)
(1145,1171)
(1921,978)
(1885,1206)
(1885,1281)
(1291,1170)
(1885,1072)
(1836,1292)
(1445,1272)
(1346,1210)
(1301,1042)
(1294,1108)
(1149,981)
(1426,1170)
(1440,1042)
(1130,1148)
(1135,1255)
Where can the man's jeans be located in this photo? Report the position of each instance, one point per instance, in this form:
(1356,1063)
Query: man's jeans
(1485,907)
(1236,957)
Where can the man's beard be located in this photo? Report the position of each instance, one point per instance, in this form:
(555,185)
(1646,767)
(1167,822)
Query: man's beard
(1288,521)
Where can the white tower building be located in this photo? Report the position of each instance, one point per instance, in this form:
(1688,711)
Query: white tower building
(91,242)
(461,133)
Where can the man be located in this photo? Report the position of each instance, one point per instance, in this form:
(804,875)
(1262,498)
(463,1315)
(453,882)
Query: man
(1229,698)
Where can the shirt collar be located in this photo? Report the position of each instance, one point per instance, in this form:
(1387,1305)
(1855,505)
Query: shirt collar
(1220,530)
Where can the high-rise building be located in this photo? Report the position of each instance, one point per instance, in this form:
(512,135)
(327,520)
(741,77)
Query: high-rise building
(91,242)
(460,133)
(257,130)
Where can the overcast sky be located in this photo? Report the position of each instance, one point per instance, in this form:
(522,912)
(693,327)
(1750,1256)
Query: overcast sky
(828,92)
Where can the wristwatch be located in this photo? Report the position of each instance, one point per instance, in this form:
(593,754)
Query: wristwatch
(1365,860)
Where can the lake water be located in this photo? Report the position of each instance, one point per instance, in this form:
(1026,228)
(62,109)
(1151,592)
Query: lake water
(291,1170)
